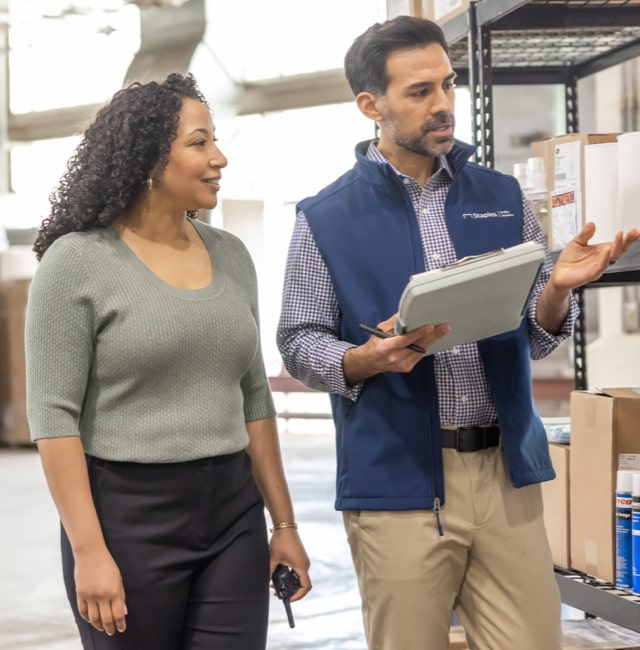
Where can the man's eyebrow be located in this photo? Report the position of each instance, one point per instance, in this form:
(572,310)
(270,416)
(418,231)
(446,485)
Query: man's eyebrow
(421,84)
(427,84)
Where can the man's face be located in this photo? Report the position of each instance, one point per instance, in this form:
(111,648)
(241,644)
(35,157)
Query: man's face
(417,108)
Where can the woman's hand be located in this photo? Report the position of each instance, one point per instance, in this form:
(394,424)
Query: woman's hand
(286,548)
(100,592)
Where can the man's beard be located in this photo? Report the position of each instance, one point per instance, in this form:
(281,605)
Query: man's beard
(417,143)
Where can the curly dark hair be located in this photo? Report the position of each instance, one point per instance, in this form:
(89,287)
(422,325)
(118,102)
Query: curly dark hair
(128,142)
(365,63)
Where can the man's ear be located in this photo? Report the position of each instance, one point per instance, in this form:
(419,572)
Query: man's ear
(369,105)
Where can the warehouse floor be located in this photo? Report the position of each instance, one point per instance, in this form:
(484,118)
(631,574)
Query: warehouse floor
(34,613)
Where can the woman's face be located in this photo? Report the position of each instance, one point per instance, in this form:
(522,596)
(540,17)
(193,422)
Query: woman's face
(191,179)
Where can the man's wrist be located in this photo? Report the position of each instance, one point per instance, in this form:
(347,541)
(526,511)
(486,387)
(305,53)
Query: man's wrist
(354,366)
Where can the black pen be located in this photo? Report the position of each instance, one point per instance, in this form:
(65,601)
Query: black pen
(376,331)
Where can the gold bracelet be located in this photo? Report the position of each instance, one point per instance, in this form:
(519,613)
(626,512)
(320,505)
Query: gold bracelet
(284,524)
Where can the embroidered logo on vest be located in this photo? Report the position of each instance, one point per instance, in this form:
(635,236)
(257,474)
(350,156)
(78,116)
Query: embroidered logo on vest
(498,214)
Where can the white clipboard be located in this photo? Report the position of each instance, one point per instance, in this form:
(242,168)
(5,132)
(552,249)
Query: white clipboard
(479,296)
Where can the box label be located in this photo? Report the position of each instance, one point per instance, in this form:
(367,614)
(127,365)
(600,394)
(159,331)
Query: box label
(565,217)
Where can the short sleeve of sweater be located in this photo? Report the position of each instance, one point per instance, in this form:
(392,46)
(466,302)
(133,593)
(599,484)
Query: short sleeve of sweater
(58,342)
(258,399)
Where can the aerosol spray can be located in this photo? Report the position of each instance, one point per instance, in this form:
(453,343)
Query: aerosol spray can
(624,500)
(635,535)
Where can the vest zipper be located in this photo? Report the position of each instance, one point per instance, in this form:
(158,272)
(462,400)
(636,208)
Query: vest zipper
(436,511)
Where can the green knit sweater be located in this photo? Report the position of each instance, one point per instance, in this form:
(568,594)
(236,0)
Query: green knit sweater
(140,370)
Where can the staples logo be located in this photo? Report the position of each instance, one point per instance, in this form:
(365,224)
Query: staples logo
(499,214)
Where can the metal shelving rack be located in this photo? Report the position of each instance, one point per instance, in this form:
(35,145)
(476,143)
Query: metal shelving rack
(523,42)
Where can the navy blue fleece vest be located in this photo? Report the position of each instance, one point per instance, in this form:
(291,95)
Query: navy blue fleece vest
(388,441)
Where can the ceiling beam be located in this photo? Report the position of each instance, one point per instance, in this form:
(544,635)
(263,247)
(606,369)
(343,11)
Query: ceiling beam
(279,94)
(297,91)
(56,123)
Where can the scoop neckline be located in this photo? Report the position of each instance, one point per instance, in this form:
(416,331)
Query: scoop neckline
(214,288)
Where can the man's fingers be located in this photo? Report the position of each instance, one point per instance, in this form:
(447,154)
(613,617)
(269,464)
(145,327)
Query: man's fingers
(629,238)
(585,234)
(436,333)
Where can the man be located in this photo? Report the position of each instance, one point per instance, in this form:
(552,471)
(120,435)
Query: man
(439,457)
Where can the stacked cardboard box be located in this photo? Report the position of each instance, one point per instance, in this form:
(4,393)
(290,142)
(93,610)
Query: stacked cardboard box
(604,425)
(13,304)
(563,157)
(555,495)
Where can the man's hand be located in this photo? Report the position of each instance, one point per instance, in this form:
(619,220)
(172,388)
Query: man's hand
(580,262)
(392,354)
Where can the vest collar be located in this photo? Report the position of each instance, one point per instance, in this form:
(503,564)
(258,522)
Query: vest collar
(457,158)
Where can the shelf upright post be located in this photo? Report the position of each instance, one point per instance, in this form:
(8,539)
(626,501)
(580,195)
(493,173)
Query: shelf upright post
(580,343)
(571,101)
(480,86)
(579,330)
(477,126)
(486,86)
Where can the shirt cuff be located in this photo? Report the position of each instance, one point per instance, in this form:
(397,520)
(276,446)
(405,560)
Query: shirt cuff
(334,372)
(543,340)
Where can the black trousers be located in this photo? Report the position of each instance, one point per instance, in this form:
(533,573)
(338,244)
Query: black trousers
(190,540)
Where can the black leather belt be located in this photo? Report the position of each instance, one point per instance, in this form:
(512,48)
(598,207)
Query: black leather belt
(470,438)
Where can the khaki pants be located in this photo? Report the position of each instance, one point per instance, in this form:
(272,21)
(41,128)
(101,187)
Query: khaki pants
(492,565)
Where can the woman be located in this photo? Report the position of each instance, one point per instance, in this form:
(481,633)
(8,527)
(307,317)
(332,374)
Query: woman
(147,393)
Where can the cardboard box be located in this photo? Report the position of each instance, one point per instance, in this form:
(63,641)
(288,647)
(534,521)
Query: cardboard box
(563,157)
(405,8)
(604,425)
(14,428)
(440,11)
(555,496)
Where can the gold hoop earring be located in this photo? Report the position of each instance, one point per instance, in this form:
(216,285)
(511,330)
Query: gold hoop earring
(149,184)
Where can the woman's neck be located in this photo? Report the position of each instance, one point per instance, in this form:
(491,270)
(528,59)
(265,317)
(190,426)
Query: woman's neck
(154,227)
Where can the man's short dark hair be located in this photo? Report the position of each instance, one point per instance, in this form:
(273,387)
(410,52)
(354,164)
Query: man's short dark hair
(365,63)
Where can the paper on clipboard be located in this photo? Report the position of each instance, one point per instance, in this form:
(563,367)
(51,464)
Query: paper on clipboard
(479,296)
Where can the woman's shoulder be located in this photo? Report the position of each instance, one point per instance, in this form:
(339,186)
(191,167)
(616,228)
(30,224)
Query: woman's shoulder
(82,239)
(213,236)
(79,247)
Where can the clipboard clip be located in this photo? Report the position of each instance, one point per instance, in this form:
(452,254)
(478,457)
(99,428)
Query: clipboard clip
(472,258)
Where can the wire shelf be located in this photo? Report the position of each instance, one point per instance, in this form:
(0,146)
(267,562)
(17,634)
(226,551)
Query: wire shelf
(549,47)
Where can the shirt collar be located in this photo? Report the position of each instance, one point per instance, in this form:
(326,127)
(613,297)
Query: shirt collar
(373,153)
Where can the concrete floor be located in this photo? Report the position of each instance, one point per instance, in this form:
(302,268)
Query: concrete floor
(34,613)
